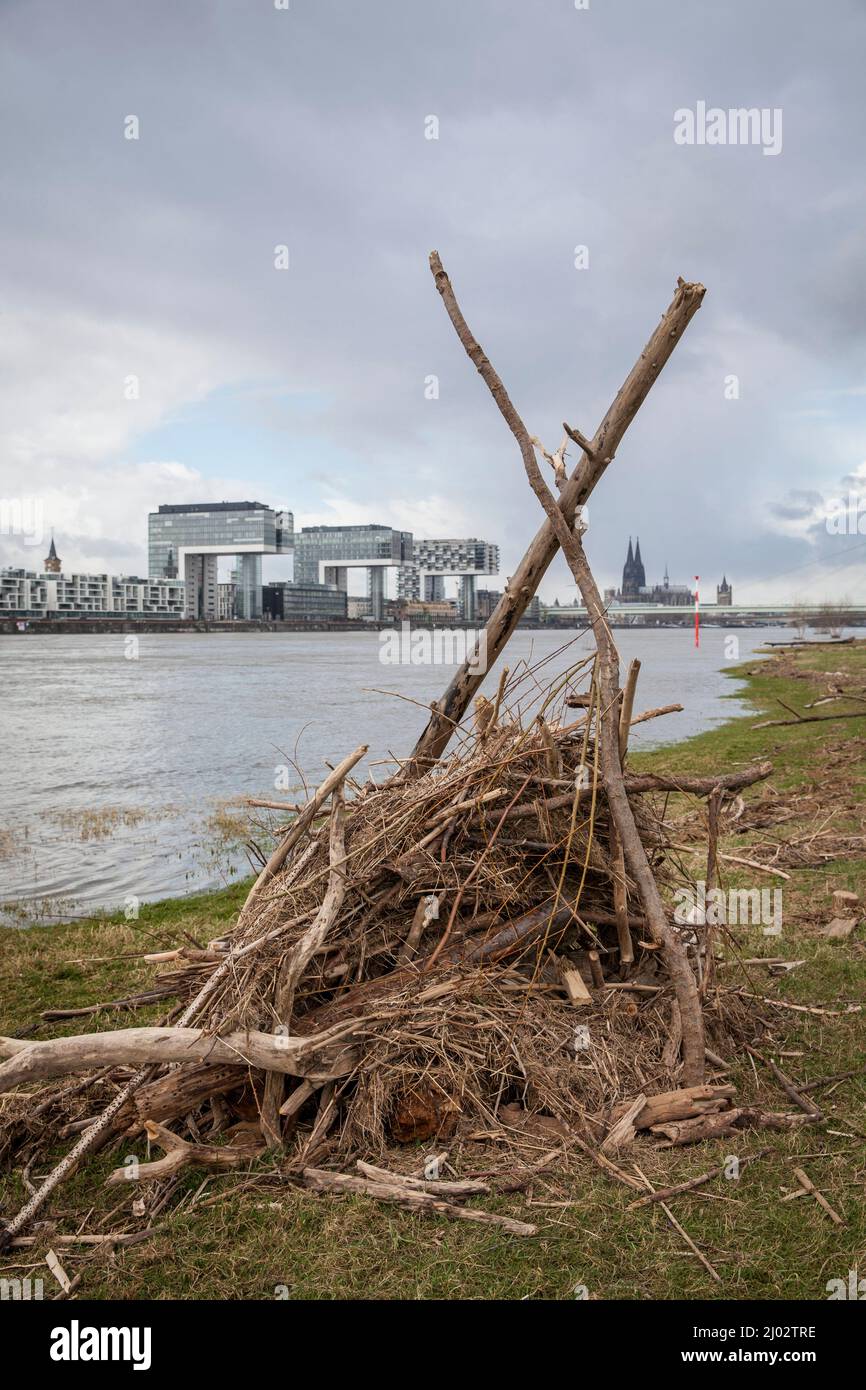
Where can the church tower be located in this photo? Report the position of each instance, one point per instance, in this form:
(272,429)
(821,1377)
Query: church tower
(724,593)
(640,574)
(52,560)
(633,575)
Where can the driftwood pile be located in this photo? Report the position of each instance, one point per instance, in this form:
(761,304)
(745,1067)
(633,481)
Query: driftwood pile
(483,938)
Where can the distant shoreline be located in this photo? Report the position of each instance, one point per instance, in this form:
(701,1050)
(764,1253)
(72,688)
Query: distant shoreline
(80,627)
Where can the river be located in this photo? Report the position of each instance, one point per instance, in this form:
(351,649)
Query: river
(124,765)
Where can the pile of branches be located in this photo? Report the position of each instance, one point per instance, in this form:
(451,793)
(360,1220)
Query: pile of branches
(487,929)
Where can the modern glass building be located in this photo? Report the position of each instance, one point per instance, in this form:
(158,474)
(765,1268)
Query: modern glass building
(325,554)
(185,541)
(285,600)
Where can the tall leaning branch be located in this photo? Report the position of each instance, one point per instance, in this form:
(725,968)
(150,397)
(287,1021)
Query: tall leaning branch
(597,454)
(607,726)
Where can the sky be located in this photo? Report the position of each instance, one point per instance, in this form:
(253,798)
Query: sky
(153,348)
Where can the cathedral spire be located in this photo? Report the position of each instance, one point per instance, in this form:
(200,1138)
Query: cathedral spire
(639,572)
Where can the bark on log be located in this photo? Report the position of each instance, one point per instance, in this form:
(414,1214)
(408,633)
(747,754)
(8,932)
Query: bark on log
(216,1158)
(184,1089)
(462,1187)
(699,786)
(320,1058)
(448,712)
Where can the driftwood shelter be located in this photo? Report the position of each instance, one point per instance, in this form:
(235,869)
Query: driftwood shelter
(481,941)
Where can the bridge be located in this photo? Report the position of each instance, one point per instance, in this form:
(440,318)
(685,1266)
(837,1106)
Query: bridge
(720,615)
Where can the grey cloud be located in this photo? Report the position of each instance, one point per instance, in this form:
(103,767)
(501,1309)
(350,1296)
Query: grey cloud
(306,127)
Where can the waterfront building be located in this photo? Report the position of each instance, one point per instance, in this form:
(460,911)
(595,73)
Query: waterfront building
(185,540)
(24,594)
(325,554)
(290,600)
(486,600)
(435,560)
(226,600)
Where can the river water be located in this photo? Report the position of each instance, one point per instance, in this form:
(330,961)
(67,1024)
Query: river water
(123,768)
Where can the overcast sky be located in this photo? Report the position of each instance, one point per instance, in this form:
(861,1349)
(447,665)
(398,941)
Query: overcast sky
(307,128)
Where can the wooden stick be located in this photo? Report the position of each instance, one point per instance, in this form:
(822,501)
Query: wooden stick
(679,1229)
(661,1194)
(808,719)
(595,967)
(805,1181)
(698,786)
(590,468)
(180,1154)
(463,1187)
(278,858)
(320,1180)
(656,713)
(620,902)
(787,1085)
(625,719)
(828,1080)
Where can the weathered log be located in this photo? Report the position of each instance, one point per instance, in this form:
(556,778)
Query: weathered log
(622,1131)
(698,786)
(319,1058)
(217,1158)
(681,1104)
(462,1187)
(184,1089)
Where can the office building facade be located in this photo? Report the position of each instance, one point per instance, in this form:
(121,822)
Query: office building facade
(185,541)
(325,554)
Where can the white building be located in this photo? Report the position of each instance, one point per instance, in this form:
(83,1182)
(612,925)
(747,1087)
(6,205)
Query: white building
(24,594)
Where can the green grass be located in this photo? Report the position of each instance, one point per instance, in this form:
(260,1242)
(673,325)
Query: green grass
(251,1243)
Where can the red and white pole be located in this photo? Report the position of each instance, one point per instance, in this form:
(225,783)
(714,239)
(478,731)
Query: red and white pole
(697,613)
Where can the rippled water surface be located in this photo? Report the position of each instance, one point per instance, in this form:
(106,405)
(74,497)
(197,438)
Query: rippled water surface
(119,775)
